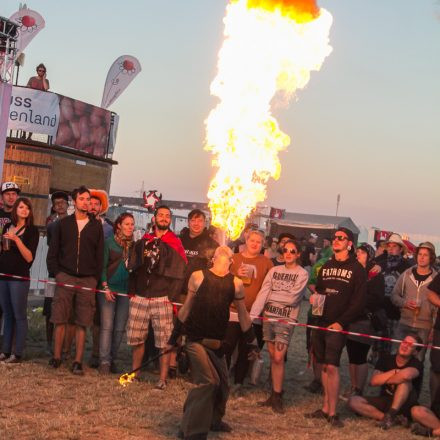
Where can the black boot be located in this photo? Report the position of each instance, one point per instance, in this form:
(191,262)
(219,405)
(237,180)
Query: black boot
(277,402)
(267,402)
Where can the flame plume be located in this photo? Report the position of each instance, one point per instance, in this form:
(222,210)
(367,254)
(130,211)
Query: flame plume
(270,48)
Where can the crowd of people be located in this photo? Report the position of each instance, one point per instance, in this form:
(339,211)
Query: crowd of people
(236,300)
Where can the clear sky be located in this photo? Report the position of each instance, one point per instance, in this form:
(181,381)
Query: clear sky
(367,126)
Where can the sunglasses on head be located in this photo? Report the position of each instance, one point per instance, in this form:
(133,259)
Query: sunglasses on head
(339,238)
(291,251)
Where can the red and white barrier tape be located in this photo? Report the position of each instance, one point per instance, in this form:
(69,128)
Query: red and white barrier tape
(261,318)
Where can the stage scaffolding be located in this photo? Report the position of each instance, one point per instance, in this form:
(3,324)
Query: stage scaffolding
(8,49)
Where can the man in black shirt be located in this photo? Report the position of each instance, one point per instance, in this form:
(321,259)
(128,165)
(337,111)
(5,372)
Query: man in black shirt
(204,318)
(199,246)
(397,375)
(339,299)
(10,192)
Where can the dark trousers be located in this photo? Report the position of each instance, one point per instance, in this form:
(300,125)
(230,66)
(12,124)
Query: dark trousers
(205,404)
(234,338)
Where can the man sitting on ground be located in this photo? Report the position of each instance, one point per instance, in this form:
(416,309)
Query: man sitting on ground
(397,375)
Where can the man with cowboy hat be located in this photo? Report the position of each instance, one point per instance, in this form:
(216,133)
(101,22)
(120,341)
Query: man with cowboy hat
(98,207)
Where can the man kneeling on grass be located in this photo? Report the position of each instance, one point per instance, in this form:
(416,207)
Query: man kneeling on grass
(397,375)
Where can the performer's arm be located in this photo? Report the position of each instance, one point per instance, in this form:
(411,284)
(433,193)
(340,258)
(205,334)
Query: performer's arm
(193,284)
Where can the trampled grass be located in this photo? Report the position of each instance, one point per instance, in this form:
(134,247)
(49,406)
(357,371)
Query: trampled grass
(37,402)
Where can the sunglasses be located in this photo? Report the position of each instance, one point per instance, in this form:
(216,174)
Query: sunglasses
(291,251)
(41,70)
(339,238)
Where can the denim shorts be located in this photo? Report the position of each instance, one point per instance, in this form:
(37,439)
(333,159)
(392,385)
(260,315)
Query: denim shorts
(277,332)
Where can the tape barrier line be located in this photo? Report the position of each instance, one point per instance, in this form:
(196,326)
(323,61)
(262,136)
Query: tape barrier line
(261,318)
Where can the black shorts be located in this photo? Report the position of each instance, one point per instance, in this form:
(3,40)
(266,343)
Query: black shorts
(327,346)
(383,403)
(47,306)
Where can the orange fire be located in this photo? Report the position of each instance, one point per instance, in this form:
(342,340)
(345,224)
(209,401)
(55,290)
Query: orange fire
(269,50)
(126,379)
(301,11)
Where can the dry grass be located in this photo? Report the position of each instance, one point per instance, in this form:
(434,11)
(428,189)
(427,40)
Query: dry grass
(40,403)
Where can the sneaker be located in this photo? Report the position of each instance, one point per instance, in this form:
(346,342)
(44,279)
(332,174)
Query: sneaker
(55,363)
(387,422)
(318,414)
(104,369)
(13,359)
(314,387)
(161,385)
(418,429)
(221,427)
(335,421)
(4,356)
(77,369)
(352,391)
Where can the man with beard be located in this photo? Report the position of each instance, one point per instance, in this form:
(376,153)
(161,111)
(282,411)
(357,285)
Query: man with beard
(199,246)
(339,299)
(204,319)
(158,266)
(75,257)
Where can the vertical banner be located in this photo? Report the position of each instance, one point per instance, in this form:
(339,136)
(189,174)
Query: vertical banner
(30,23)
(5,101)
(120,75)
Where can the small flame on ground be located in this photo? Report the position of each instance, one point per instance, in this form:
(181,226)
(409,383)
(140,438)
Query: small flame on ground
(126,379)
(270,48)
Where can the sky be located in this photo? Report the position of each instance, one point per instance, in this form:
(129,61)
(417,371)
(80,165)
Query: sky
(366,127)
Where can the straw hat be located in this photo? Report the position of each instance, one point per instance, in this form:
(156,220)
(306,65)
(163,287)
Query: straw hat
(103,196)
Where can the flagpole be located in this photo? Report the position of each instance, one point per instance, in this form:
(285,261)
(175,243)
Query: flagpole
(338,199)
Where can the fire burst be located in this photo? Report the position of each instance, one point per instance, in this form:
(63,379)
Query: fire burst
(270,48)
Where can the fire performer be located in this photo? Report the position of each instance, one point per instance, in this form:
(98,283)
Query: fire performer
(204,318)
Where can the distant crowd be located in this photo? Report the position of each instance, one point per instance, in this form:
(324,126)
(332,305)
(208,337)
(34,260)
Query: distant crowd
(236,300)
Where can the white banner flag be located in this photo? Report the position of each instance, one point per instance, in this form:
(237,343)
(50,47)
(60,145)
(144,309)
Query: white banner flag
(34,111)
(30,23)
(120,75)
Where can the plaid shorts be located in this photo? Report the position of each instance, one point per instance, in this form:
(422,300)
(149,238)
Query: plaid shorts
(142,310)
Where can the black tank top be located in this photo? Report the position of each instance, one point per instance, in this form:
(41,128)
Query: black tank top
(209,314)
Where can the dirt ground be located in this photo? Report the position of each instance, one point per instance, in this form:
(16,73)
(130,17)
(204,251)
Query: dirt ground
(37,402)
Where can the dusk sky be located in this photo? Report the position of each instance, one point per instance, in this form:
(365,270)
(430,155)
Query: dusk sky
(367,126)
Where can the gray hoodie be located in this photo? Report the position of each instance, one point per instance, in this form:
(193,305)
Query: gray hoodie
(407,289)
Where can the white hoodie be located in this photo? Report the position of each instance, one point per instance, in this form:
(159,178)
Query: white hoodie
(281,293)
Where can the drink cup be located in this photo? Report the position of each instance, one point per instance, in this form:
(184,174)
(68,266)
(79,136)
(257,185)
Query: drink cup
(318,301)
(6,244)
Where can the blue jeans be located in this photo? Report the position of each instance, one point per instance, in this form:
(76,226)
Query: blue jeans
(114,317)
(13,300)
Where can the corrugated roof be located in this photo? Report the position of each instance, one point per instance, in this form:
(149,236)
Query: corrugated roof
(315,220)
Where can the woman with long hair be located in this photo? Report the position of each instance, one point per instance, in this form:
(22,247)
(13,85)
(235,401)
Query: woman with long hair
(19,244)
(114,308)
